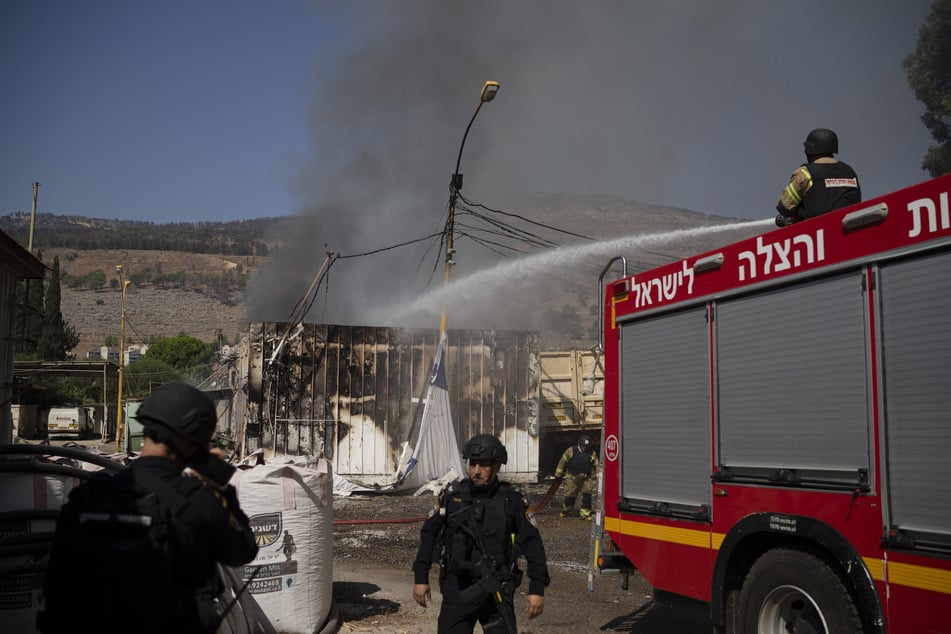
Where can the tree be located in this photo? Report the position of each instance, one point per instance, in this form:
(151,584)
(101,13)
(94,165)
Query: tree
(181,352)
(58,337)
(929,75)
(30,297)
(143,375)
(94,279)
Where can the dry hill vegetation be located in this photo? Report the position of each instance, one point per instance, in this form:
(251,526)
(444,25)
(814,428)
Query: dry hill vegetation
(205,298)
(196,285)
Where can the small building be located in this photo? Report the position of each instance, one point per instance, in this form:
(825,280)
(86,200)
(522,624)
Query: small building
(134,353)
(16,263)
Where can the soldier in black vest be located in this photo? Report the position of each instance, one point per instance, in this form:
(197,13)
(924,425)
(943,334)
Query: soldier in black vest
(819,186)
(114,568)
(477,530)
(579,467)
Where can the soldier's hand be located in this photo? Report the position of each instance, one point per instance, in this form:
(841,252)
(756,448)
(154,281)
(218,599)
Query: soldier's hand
(421,593)
(534,604)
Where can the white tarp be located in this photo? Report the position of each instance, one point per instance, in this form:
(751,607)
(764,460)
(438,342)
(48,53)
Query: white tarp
(436,451)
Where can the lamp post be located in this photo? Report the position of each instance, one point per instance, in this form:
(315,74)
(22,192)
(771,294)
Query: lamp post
(120,423)
(489,90)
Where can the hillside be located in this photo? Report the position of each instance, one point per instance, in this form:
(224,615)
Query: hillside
(202,306)
(239,237)
(204,294)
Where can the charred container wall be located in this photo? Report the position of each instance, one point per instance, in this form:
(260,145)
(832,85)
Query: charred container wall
(354,394)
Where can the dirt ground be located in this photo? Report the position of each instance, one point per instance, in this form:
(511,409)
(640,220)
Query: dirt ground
(375,540)
(373,579)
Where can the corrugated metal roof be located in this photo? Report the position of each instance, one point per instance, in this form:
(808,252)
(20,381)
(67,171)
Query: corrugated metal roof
(17,260)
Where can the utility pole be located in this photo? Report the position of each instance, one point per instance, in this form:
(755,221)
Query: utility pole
(489,90)
(36,187)
(120,423)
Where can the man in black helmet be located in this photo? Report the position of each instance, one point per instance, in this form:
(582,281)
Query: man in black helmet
(820,185)
(579,467)
(138,550)
(477,530)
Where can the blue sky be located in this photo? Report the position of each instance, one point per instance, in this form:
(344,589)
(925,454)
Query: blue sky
(159,111)
(231,109)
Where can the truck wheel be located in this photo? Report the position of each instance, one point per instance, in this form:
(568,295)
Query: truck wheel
(790,590)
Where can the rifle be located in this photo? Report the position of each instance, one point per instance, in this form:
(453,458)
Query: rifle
(488,583)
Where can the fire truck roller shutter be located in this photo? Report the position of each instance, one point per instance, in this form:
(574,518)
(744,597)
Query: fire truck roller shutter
(792,374)
(915,298)
(667,440)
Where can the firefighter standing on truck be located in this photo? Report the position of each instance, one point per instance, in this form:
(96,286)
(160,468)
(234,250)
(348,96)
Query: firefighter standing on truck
(579,467)
(477,530)
(819,186)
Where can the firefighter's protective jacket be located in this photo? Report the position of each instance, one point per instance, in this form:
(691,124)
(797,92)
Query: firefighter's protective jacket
(577,462)
(819,187)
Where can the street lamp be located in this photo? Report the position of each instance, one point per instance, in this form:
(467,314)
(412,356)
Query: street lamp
(489,90)
(120,423)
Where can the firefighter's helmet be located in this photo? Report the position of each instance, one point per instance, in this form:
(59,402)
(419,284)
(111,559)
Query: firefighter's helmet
(180,408)
(485,447)
(821,141)
(584,442)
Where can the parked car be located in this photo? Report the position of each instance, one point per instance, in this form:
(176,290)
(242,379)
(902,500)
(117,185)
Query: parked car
(70,421)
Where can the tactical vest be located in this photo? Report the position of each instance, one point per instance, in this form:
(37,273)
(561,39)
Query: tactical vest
(119,547)
(475,518)
(579,463)
(834,185)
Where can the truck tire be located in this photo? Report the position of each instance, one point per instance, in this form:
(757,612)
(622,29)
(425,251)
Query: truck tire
(791,590)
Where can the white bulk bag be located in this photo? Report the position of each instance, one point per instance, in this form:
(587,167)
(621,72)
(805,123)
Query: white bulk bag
(290,508)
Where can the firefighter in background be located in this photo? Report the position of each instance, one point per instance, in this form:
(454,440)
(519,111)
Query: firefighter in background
(820,185)
(579,467)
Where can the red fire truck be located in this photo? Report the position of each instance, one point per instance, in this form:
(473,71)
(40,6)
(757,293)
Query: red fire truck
(777,423)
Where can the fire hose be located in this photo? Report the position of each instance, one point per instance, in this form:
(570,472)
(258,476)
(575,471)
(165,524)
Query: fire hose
(552,490)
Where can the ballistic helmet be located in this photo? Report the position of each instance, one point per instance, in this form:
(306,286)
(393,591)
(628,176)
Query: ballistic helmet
(584,442)
(180,408)
(821,141)
(485,447)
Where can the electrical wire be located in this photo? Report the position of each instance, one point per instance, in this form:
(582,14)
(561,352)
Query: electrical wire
(131,327)
(504,229)
(506,213)
(389,248)
(490,244)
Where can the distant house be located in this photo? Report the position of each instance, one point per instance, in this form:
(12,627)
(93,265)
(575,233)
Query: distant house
(16,263)
(131,354)
(134,353)
(106,353)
